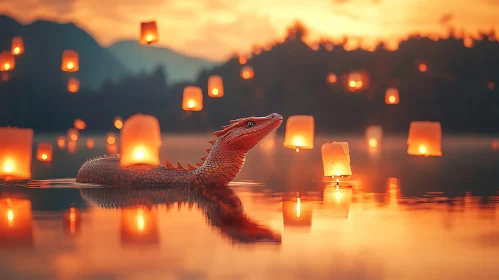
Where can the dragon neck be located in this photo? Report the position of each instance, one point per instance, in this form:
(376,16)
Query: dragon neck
(222,164)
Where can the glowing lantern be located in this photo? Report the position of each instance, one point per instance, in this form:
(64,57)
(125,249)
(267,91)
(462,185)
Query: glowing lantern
(357,81)
(111,138)
(215,86)
(422,67)
(338,200)
(336,159)
(148,32)
(139,225)
(297,213)
(79,124)
(425,139)
(73,85)
(193,99)
(61,142)
(15,152)
(374,135)
(392,96)
(242,60)
(15,223)
(17,46)
(73,134)
(44,152)
(71,221)
(70,61)
(332,78)
(247,72)
(299,132)
(495,144)
(7,61)
(140,140)
(90,143)
(118,122)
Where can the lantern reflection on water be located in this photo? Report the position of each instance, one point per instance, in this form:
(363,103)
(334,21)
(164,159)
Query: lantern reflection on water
(15,152)
(297,213)
(299,132)
(61,142)
(336,159)
(392,96)
(79,124)
(71,221)
(215,86)
(73,85)
(425,139)
(73,135)
(392,191)
(140,140)
(193,99)
(148,32)
(15,223)
(118,123)
(7,61)
(139,225)
(374,135)
(17,47)
(70,61)
(338,200)
(44,152)
(247,72)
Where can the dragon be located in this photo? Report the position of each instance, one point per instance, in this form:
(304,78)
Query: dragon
(222,164)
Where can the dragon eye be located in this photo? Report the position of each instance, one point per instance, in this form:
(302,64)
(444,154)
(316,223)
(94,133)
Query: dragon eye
(250,123)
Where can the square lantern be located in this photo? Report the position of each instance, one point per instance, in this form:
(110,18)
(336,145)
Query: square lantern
(193,99)
(247,72)
(297,213)
(15,152)
(392,96)
(374,135)
(61,142)
(148,32)
(215,86)
(73,135)
(299,132)
(140,140)
(7,61)
(425,139)
(70,61)
(79,124)
(17,47)
(337,200)
(73,85)
(16,223)
(139,225)
(118,122)
(336,159)
(44,152)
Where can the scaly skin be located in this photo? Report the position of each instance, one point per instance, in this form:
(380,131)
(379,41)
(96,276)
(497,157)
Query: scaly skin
(221,206)
(221,166)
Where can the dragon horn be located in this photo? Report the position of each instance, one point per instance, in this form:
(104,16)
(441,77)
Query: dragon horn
(207,150)
(199,164)
(204,158)
(190,166)
(169,165)
(212,142)
(179,166)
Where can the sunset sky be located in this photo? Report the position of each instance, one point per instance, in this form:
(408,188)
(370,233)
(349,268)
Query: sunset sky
(216,28)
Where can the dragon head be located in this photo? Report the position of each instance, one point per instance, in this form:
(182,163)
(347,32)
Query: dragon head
(245,133)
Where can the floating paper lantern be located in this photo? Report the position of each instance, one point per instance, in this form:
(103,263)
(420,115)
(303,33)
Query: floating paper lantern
(374,135)
(7,61)
(299,132)
(247,72)
(332,78)
(140,140)
(139,225)
(336,159)
(422,67)
(357,81)
(73,134)
(148,32)
(79,124)
(70,61)
(71,221)
(15,152)
(215,86)
(425,139)
(337,200)
(297,213)
(16,228)
(61,142)
(17,47)
(392,96)
(73,85)
(118,122)
(193,99)
(44,152)
(90,143)
(242,60)
(111,138)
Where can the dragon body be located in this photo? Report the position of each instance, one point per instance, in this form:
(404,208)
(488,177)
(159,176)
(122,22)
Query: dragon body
(222,164)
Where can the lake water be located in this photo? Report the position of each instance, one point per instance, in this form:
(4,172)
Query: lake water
(403,217)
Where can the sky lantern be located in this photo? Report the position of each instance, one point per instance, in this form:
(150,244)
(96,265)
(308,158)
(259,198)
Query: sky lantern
(139,225)
(148,32)
(90,143)
(118,122)
(61,142)
(17,47)
(71,221)
(73,85)
(423,67)
(297,213)
(44,152)
(357,81)
(336,159)
(299,132)
(15,152)
(70,61)
(79,124)
(332,78)
(215,86)
(337,200)
(247,72)
(7,61)
(140,140)
(193,99)
(73,135)
(242,60)
(15,223)
(374,135)
(392,96)
(425,139)
(111,138)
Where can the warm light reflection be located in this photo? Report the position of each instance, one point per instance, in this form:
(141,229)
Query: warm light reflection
(90,143)
(71,221)
(423,67)
(140,220)
(73,85)
(71,147)
(139,226)
(373,143)
(268,143)
(337,200)
(297,212)
(298,208)
(111,138)
(332,78)
(73,134)
(16,223)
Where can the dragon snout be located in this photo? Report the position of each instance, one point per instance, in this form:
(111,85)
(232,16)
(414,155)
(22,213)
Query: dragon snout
(275,116)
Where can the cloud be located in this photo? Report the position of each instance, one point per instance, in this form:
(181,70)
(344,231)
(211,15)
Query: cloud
(446,18)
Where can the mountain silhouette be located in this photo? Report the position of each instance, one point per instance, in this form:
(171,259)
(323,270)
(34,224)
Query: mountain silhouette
(139,58)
